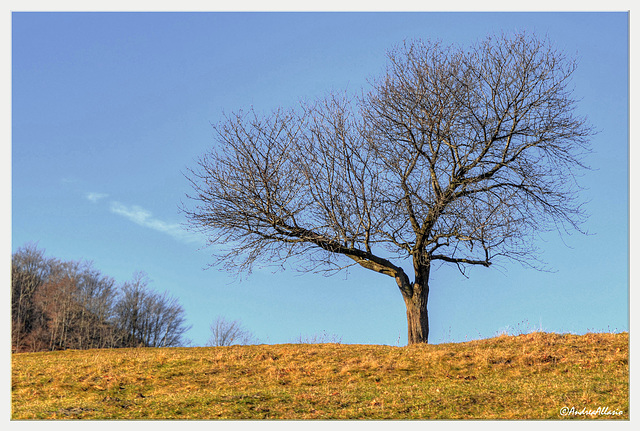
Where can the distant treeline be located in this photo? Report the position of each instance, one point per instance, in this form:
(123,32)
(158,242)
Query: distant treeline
(59,305)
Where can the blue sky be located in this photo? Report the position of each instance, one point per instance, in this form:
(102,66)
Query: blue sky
(109,109)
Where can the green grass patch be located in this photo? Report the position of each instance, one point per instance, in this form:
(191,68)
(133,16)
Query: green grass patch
(529,376)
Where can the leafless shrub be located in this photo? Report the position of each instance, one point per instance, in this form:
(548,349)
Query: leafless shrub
(228,333)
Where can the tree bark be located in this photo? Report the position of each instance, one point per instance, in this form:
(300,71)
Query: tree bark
(415,297)
(417,314)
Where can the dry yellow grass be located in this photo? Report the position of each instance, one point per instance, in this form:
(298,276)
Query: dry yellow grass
(530,376)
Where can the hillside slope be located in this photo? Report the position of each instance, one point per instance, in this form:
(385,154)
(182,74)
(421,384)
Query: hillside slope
(531,376)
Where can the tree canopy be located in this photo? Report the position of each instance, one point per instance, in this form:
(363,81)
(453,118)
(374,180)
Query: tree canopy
(452,155)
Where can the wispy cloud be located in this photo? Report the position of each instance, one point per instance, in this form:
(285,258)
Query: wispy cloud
(144,218)
(95,197)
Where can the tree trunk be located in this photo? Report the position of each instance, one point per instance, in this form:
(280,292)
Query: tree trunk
(417,314)
(415,297)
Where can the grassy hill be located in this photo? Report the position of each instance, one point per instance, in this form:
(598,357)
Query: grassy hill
(529,376)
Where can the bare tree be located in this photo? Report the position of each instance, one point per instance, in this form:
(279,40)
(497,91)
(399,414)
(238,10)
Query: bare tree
(57,299)
(147,318)
(95,296)
(454,156)
(29,271)
(228,333)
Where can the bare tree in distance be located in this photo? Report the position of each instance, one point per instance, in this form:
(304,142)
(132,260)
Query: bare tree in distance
(453,156)
(148,318)
(227,333)
(30,270)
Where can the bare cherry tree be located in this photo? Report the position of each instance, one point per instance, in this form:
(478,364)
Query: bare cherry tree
(453,156)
